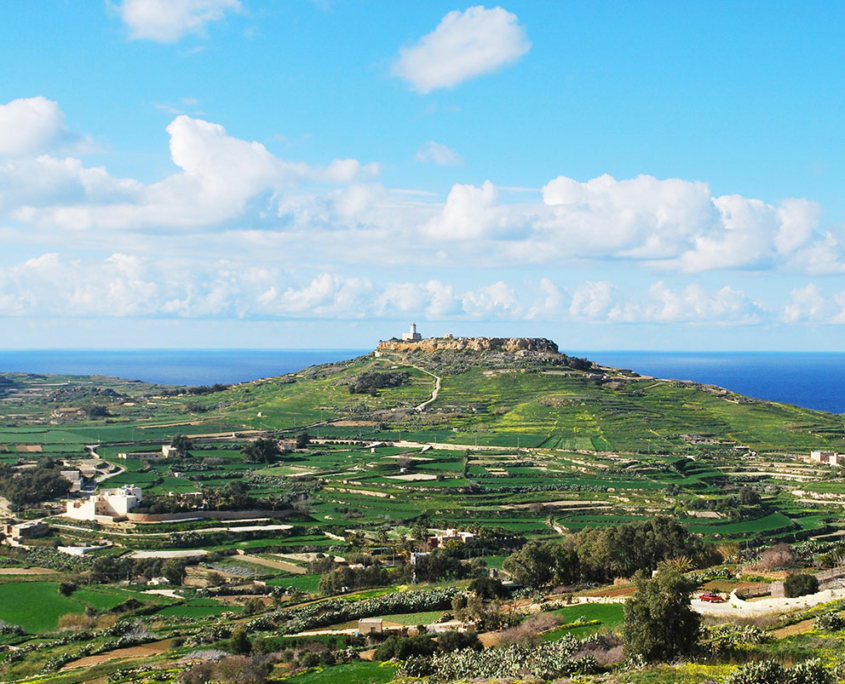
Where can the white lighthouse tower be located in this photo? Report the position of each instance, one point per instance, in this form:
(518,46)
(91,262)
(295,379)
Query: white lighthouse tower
(413,335)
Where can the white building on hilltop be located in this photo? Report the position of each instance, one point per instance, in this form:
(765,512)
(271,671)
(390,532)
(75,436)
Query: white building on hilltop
(413,335)
(106,504)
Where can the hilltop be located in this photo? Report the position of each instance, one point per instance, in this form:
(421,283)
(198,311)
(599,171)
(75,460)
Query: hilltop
(476,344)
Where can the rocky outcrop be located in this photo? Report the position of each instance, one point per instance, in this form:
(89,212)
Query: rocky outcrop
(476,344)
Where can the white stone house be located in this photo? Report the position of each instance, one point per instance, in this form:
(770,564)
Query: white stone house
(827,457)
(107,504)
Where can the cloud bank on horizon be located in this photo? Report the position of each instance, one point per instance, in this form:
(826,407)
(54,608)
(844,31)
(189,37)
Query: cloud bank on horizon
(237,230)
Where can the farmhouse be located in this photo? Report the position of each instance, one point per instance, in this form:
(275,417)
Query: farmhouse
(26,530)
(440,540)
(106,505)
(370,626)
(828,457)
(167,451)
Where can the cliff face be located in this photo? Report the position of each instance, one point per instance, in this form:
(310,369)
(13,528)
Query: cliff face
(478,344)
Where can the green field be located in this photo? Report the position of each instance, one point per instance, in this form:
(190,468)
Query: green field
(36,606)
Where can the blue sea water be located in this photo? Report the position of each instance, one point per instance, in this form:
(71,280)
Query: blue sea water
(812,380)
(173,367)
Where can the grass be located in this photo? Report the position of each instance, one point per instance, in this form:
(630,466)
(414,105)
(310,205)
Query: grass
(197,608)
(608,615)
(308,583)
(363,672)
(35,606)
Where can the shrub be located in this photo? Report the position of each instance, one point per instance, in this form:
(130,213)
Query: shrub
(763,672)
(772,672)
(239,643)
(800,585)
(67,588)
(403,648)
(452,641)
(831,622)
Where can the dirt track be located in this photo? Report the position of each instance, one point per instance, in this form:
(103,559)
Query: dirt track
(133,653)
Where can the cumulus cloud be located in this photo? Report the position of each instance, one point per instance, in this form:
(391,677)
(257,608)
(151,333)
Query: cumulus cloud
(472,213)
(752,234)
(219,175)
(34,125)
(498,300)
(436,153)
(463,46)
(166,21)
(603,301)
(810,305)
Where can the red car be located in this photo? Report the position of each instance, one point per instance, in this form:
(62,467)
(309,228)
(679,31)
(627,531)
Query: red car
(710,597)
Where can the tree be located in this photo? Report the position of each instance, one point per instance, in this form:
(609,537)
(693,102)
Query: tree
(95,411)
(531,565)
(261,450)
(182,443)
(488,588)
(303,439)
(174,570)
(239,643)
(659,621)
(800,585)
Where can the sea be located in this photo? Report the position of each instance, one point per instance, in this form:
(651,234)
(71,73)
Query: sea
(812,380)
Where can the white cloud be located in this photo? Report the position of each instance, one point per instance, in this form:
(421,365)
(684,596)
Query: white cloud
(603,301)
(33,125)
(492,301)
(219,176)
(463,46)
(550,303)
(436,153)
(472,213)
(639,218)
(166,21)
(752,234)
(593,300)
(809,305)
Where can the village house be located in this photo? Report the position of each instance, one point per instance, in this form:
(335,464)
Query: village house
(370,626)
(439,540)
(106,505)
(827,457)
(26,530)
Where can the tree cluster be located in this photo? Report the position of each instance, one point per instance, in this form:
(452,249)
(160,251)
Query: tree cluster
(262,450)
(33,485)
(370,382)
(602,554)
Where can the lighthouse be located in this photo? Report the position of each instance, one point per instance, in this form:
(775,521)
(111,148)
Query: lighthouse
(413,335)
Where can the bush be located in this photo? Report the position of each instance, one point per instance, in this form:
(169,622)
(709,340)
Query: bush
(453,641)
(800,585)
(67,588)
(239,643)
(403,648)
(772,672)
(764,672)
(830,622)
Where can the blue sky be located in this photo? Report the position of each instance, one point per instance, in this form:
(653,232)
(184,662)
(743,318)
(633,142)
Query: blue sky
(237,173)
